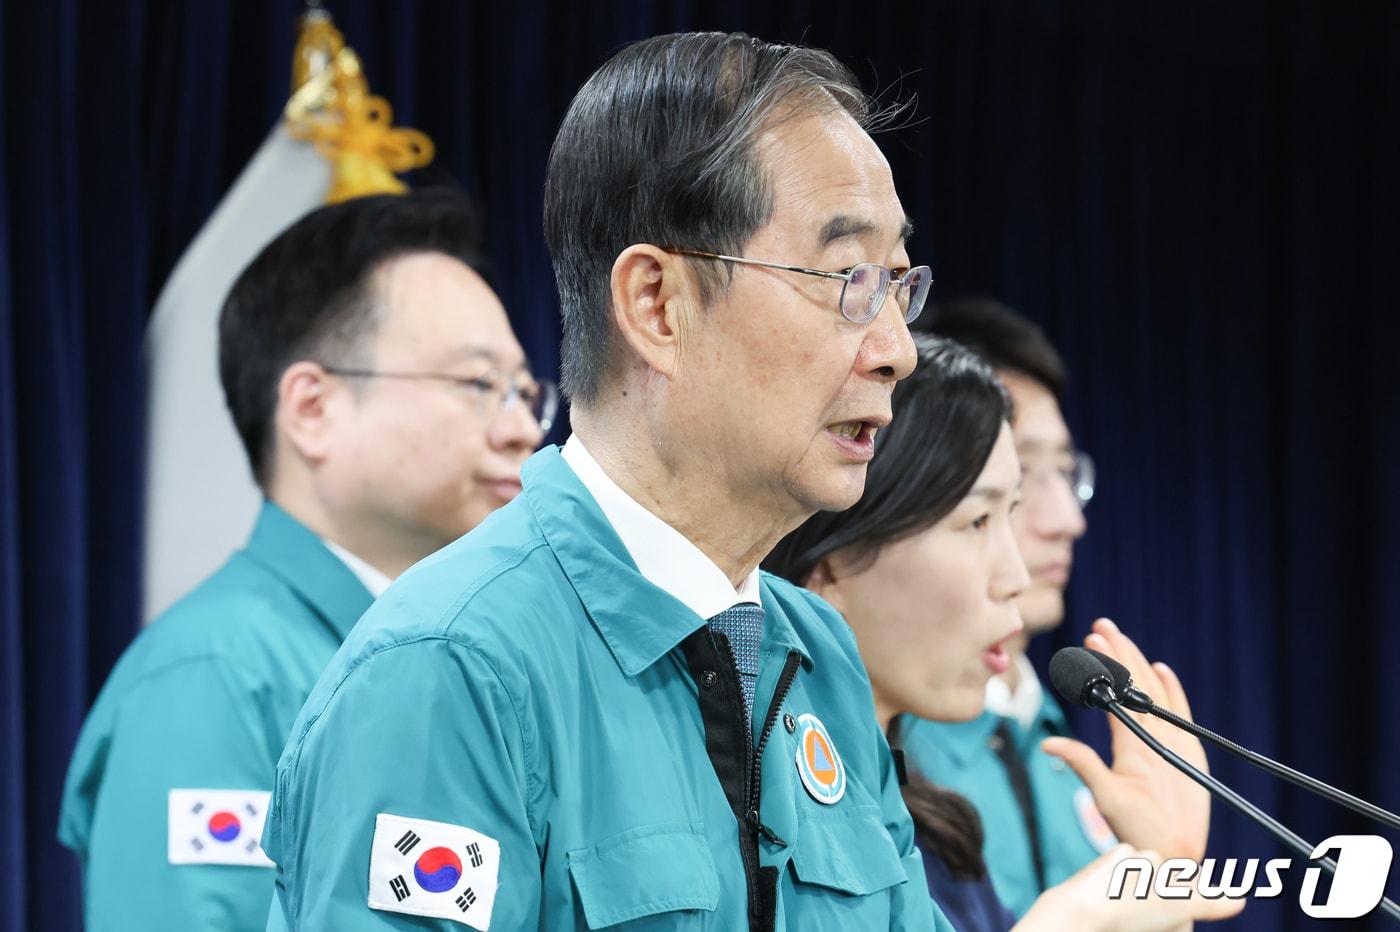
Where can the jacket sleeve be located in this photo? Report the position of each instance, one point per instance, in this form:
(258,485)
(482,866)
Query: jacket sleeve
(193,724)
(423,730)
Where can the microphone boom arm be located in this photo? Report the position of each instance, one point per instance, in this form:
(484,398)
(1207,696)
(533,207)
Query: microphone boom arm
(1282,771)
(1276,828)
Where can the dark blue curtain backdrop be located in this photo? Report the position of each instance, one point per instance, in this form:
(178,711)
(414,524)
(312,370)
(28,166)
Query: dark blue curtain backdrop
(1198,200)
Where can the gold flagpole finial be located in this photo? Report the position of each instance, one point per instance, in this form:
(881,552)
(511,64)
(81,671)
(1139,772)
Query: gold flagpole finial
(331,106)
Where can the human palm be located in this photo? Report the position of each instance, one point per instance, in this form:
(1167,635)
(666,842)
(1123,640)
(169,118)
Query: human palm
(1148,802)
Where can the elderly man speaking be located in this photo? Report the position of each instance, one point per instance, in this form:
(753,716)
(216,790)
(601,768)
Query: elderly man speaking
(594,711)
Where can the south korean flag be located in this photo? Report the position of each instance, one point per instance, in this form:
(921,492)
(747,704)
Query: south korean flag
(433,869)
(217,827)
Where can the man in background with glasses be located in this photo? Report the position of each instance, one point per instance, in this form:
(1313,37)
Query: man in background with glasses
(594,711)
(1039,819)
(386,409)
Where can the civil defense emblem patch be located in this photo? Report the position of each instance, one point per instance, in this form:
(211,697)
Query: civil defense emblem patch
(822,771)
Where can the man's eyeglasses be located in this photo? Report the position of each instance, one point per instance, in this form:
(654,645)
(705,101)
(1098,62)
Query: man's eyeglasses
(865,285)
(492,391)
(1081,478)
(1078,475)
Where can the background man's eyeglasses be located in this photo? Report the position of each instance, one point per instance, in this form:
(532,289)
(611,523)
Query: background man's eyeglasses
(494,393)
(1081,478)
(1078,475)
(865,286)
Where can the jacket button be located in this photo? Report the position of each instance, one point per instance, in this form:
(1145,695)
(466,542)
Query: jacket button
(789,722)
(708,678)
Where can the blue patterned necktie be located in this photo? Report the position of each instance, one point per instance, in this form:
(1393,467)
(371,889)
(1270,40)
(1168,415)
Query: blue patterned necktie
(742,624)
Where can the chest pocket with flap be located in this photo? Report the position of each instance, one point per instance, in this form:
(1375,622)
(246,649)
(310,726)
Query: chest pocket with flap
(847,849)
(653,870)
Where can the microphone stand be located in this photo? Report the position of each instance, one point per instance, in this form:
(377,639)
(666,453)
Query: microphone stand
(1104,698)
(1139,701)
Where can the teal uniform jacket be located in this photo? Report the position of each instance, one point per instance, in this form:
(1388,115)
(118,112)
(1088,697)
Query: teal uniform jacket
(964,757)
(203,700)
(515,737)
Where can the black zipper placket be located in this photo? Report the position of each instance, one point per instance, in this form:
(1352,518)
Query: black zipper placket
(763,903)
(736,758)
(756,774)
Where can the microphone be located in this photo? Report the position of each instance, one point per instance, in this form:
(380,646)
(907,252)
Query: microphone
(1128,694)
(1139,701)
(1084,680)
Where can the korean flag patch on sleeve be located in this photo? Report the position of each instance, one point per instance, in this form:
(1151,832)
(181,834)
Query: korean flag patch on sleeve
(433,869)
(217,827)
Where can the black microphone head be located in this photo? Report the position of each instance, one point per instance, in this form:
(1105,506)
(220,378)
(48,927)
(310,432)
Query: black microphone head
(1118,673)
(1128,694)
(1074,672)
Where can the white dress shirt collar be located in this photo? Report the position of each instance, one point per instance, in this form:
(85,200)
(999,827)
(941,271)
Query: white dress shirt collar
(372,579)
(1023,705)
(664,556)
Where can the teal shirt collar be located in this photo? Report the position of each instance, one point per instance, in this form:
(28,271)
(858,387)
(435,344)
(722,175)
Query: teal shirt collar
(639,622)
(289,550)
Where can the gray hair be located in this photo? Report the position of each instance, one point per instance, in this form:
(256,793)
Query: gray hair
(659,146)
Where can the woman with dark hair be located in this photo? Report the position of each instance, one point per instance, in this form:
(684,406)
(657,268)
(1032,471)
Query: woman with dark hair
(926,570)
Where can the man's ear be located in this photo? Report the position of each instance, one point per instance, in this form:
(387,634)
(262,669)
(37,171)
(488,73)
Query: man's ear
(302,416)
(654,301)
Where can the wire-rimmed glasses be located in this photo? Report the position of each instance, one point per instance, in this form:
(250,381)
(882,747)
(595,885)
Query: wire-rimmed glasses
(541,396)
(1081,478)
(864,289)
(1075,473)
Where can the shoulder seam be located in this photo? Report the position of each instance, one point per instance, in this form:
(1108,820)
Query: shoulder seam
(531,780)
(191,660)
(489,575)
(451,613)
(446,634)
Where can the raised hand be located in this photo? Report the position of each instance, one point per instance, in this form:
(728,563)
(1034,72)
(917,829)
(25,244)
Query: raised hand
(1148,802)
